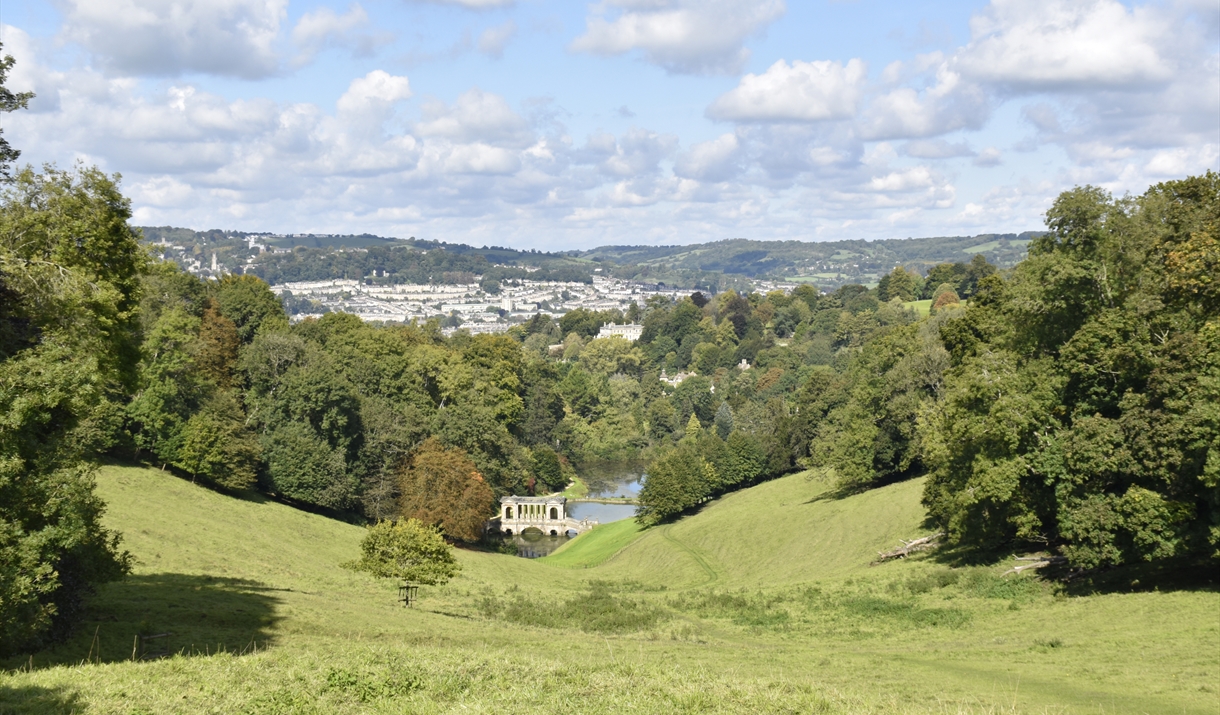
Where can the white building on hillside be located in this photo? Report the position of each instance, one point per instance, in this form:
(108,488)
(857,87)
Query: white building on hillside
(631,331)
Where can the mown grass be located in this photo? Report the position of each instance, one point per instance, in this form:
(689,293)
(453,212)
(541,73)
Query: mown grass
(577,489)
(595,547)
(762,602)
(921,307)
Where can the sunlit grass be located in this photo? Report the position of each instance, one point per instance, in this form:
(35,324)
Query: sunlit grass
(764,601)
(593,547)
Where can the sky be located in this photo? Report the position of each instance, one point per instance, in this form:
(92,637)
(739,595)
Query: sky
(563,124)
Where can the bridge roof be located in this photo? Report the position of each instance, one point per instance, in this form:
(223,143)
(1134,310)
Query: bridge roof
(532,500)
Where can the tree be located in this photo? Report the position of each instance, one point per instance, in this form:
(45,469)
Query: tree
(607,356)
(898,284)
(9,102)
(1080,408)
(441,487)
(218,344)
(724,420)
(547,468)
(409,550)
(303,467)
(676,482)
(250,304)
(217,446)
(170,388)
(945,299)
(69,291)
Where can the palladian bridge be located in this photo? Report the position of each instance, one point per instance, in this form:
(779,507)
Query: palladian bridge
(547,514)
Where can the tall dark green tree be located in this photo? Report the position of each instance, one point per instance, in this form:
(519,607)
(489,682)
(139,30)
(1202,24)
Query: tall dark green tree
(1081,408)
(69,292)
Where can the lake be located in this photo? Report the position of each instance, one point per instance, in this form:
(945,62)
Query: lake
(614,479)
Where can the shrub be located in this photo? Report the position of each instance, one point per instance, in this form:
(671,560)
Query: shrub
(408,550)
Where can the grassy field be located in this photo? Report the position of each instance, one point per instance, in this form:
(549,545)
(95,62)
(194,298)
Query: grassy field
(921,307)
(764,601)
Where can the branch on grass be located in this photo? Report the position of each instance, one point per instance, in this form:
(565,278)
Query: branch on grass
(909,547)
(1036,562)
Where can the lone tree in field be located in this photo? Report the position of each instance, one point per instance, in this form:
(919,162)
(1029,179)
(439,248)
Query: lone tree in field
(408,550)
(443,488)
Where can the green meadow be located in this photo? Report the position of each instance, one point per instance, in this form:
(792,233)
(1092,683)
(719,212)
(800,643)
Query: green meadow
(763,601)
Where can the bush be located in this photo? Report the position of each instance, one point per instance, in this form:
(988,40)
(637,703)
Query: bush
(408,550)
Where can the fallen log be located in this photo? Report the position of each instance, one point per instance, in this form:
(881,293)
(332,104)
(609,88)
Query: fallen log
(1035,563)
(908,548)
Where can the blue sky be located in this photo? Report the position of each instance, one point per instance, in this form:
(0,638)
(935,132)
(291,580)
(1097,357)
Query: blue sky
(558,125)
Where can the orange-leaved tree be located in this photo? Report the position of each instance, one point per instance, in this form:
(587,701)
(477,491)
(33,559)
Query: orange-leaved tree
(442,487)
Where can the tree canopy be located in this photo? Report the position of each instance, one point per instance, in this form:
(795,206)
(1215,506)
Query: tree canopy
(409,550)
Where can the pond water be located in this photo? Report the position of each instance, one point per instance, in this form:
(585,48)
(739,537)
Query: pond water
(615,479)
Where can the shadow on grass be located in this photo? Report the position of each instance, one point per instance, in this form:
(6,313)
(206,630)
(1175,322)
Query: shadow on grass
(1197,573)
(201,615)
(1185,573)
(33,700)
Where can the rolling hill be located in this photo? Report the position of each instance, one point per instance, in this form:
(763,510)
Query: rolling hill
(764,601)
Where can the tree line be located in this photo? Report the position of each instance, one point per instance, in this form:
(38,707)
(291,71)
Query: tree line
(1070,404)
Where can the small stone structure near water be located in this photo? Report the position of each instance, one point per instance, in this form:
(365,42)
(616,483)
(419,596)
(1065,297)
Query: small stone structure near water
(547,514)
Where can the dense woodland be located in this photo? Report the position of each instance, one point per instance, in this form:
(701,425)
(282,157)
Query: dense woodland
(1070,403)
(389,265)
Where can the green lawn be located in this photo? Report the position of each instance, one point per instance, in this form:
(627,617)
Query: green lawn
(921,307)
(593,547)
(577,489)
(763,601)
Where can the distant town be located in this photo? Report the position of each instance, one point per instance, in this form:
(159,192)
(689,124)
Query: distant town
(468,307)
(465,306)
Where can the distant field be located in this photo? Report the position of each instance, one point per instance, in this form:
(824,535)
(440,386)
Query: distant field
(763,601)
(921,307)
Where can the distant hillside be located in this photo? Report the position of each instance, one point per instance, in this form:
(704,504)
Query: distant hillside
(827,264)
(710,266)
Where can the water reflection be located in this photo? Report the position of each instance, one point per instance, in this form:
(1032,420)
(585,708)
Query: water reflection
(533,544)
(614,479)
(604,513)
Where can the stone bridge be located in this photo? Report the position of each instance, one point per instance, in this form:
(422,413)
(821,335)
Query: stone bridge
(547,514)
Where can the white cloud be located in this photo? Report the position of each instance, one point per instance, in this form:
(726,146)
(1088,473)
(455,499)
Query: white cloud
(1067,44)
(161,191)
(800,92)
(683,36)
(371,98)
(233,38)
(638,152)
(1176,163)
(913,179)
(476,116)
(494,39)
(324,28)
(479,158)
(948,105)
(715,160)
(936,149)
(988,157)
(817,150)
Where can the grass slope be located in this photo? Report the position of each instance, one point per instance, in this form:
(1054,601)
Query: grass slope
(762,602)
(594,547)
